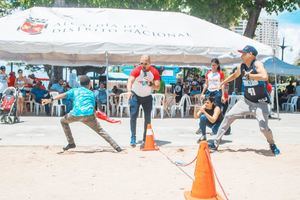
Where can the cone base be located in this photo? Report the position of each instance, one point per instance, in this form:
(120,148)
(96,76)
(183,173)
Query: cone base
(151,149)
(188,196)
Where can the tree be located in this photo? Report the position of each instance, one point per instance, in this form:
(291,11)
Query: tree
(253,9)
(220,12)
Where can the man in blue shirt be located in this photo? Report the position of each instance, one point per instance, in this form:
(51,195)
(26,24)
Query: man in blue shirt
(39,94)
(83,111)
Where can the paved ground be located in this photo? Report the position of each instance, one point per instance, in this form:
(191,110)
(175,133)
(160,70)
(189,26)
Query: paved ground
(33,167)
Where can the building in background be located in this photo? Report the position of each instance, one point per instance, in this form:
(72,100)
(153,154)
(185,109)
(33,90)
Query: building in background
(266,31)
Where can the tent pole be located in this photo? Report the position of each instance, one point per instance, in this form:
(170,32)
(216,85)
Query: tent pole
(276,89)
(107,96)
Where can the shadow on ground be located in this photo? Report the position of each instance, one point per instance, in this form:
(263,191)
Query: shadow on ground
(222,141)
(86,151)
(158,142)
(263,152)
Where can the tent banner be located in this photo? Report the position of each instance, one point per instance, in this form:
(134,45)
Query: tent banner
(93,36)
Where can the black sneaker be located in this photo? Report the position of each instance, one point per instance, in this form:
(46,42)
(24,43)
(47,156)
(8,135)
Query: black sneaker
(213,145)
(118,149)
(69,146)
(228,132)
(274,149)
(202,138)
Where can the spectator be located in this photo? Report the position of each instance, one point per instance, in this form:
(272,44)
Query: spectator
(162,86)
(290,89)
(195,89)
(298,88)
(213,79)
(58,87)
(3,80)
(20,84)
(11,79)
(73,80)
(210,115)
(178,90)
(38,94)
(101,97)
(116,90)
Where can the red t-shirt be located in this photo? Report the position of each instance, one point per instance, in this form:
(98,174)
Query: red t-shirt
(140,86)
(269,87)
(11,81)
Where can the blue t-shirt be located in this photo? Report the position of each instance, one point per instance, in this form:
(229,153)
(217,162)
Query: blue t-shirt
(39,93)
(83,101)
(57,87)
(102,96)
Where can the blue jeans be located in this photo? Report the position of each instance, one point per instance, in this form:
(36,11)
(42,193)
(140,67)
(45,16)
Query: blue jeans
(135,103)
(205,122)
(217,94)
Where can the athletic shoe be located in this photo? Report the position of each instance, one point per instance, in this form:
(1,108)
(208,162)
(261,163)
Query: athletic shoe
(198,132)
(202,138)
(69,146)
(213,145)
(142,145)
(274,149)
(133,142)
(118,149)
(228,132)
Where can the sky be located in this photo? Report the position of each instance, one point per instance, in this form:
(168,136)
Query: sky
(289,28)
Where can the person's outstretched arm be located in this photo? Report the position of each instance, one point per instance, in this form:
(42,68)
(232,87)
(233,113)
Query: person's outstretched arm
(60,96)
(233,76)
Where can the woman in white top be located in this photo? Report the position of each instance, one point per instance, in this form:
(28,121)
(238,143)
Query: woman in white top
(213,79)
(21,81)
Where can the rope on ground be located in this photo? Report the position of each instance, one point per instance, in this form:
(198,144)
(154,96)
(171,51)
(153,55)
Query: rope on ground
(208,157)
(178,166)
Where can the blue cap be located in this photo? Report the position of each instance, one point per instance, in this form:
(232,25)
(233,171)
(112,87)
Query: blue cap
(249,49)
(2,67)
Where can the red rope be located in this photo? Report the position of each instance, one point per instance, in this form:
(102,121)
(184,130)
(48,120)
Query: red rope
(185,165)
(208,157)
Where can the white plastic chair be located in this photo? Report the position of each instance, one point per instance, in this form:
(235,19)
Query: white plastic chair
(29,100)
(38,107)
(284,105)
(112,105)
(158,104)
(184,99)
(292,106)
(56,105)
(123,104)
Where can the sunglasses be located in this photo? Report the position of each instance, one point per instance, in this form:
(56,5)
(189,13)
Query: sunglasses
(143,63)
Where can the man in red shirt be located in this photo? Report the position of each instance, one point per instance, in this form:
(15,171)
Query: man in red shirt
(142,80)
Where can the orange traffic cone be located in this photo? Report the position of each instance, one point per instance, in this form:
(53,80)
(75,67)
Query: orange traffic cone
(204,183)
(150,143)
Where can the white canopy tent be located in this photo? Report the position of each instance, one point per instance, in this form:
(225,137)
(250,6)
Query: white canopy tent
(95,36)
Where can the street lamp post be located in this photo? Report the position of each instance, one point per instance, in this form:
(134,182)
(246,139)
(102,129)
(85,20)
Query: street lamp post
(282,46)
